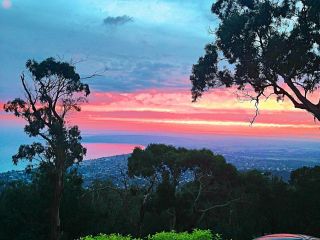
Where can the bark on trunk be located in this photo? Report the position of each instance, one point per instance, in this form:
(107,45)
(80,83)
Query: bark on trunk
(57,196)
(141,216)
(173,220)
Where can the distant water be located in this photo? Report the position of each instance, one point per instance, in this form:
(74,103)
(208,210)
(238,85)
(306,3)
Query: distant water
(98,150)
(12,138)
(243,152)
(94,151)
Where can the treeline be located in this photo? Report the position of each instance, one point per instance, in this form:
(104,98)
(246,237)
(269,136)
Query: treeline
(166,188)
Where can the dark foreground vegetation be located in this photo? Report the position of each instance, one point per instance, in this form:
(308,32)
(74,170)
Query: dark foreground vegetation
(152,198)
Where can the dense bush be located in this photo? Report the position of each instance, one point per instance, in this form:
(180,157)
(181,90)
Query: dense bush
(108,237)
(195,235)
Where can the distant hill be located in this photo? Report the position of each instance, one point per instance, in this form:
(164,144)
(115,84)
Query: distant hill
(103,168)
(111,168)
(95,169)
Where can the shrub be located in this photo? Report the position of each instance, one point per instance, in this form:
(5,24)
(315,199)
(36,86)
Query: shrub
(108,237)
(195,235)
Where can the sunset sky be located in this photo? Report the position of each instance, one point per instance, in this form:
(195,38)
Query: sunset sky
(144,51)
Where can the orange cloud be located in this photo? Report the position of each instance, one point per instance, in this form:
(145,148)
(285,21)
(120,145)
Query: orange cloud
(178,101)
(171,111)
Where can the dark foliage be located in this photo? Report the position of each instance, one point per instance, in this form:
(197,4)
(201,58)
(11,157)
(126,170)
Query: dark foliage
(273,47)
(177,189)
(52,91)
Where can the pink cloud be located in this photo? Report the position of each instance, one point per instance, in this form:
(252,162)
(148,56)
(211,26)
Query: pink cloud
(171,111)
(217,112)
(6,4)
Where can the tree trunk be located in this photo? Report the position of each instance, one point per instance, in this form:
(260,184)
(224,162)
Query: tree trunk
(141,216)
(174,220)
(57,196)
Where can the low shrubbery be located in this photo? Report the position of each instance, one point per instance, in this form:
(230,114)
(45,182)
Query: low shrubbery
(108,237)
(195,235)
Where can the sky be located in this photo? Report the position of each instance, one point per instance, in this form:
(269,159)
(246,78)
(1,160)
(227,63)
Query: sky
(143,52)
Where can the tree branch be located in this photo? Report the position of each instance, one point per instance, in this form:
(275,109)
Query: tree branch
(219,205)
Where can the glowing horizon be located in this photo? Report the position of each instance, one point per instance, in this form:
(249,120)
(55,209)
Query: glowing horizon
(171,111)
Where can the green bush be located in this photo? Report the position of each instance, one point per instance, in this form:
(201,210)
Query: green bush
(108,237)
(195,235)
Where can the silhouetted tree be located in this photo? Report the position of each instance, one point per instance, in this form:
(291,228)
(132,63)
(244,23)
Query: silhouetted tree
(199,180)
(271,46)
(161,167)
(306,183)
(212,186)
(53,90)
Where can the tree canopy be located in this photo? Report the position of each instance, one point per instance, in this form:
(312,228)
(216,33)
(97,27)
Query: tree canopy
(52,91)
(173,177)
(271,46)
